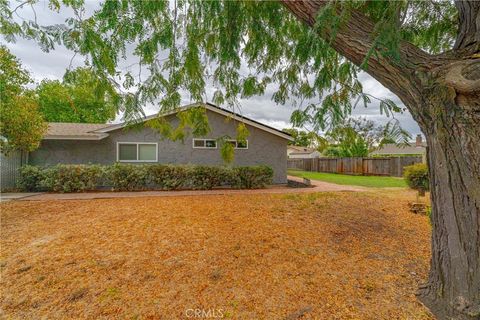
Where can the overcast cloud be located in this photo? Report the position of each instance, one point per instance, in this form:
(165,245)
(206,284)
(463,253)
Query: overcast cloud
(52,65)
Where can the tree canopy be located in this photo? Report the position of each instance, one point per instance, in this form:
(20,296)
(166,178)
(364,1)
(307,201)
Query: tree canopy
(357,137)
(80,97)
(303,138)
(21,125)
(239,47)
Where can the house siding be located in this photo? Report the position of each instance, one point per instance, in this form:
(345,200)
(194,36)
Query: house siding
(264,148)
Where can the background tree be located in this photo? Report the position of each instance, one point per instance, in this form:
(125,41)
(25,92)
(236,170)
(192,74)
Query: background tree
(80,97)
(375,135)
(21,125)
(357,137)
(303,138)
(425,52)
(346,142)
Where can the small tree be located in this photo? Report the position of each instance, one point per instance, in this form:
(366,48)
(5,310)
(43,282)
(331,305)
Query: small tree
(346,143)
(303,138)
(416,177)
(357,137)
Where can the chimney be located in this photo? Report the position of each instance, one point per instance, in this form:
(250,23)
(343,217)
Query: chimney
(418,140)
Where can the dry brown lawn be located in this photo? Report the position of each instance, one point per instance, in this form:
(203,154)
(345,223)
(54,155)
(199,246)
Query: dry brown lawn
(307,256)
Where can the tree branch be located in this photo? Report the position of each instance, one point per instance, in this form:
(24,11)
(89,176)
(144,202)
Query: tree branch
(465,77)
(354,40)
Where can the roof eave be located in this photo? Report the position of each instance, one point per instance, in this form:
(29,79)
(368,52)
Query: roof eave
(213,109)
(100,136)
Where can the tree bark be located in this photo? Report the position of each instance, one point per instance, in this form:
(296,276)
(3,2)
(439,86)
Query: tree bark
(469,23)
(453,137)
(443,95)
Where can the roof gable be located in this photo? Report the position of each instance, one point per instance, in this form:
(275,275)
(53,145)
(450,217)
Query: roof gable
(94,131)
(213,108)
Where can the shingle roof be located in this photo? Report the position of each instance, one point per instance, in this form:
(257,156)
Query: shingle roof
(391,148)
(74,130)
(92,131)
(301,150)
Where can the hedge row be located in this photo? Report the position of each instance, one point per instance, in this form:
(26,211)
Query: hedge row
(129,177)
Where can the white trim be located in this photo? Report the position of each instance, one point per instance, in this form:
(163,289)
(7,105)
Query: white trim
(211,108)
(205,140)
(137,144)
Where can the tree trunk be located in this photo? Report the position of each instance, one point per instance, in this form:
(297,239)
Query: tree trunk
(453,137)
(443,95)
(453,288)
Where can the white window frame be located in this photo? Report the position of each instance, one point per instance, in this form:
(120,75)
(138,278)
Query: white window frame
(236,144)
(205,143)
(137,143)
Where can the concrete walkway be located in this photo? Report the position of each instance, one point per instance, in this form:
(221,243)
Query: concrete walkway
(9,196)
(317,186)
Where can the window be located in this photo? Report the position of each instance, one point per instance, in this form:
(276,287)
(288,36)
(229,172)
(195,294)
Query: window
(239,145)
(137,152)
(242,144)
(127,152)
(204,143)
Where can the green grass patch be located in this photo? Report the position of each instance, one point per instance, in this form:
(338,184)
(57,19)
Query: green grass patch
(364,181)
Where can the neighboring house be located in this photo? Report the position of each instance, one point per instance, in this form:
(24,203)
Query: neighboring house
(415,148)
(77,143)
(299,152)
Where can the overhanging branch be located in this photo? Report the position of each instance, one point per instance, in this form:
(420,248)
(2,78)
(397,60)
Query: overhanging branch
(354,40)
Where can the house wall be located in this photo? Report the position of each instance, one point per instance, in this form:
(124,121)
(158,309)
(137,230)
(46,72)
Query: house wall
(263,148)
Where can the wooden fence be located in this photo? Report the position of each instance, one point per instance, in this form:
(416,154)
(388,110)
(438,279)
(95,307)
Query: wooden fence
(392,166)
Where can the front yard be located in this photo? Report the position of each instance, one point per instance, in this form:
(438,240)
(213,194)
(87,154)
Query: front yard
(338,255)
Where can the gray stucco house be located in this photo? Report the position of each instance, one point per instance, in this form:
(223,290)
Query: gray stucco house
(80,143)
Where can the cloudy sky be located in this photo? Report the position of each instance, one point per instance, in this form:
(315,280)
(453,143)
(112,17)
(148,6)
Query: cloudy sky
(52,65)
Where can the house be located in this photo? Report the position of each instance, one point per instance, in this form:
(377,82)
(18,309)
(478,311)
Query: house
(81,143)
(299,152)
(415,148)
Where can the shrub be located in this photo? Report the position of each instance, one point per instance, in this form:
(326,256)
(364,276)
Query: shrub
(31,178)
(168,177)
(252,177)
(208,177)
(416,177)
(127,177)
(72,178)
